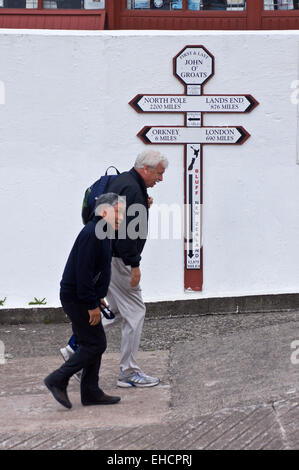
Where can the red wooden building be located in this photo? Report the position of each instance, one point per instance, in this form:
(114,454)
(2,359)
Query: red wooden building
(150,14)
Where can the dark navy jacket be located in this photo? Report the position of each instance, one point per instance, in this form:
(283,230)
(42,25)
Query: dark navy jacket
(131,185)
(87,272)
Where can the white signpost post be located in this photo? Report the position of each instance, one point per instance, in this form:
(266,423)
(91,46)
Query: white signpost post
(193,66)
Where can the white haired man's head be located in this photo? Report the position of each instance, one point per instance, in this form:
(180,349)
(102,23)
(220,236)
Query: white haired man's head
(150,158)
(151,165)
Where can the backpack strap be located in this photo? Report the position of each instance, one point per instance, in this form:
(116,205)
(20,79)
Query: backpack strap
(111,166)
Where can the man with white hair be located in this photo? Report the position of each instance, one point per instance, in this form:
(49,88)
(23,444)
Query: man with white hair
(124,294)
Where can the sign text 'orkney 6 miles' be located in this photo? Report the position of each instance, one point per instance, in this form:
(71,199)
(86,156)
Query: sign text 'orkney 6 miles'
(193,66)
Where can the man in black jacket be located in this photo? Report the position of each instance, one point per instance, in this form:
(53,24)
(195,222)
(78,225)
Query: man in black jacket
(84,283)
(124,294)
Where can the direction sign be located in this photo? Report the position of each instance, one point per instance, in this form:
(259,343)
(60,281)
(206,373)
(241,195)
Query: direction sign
(190,135)
(193,103)
(194,65)
(194,119)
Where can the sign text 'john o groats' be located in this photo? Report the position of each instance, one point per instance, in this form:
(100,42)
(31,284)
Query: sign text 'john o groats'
(193,66)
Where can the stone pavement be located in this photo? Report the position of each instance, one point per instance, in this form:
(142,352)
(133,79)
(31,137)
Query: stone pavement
(227,382)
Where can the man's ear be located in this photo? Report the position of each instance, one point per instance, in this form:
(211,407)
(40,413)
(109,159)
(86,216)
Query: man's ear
(100,211)
(103,213)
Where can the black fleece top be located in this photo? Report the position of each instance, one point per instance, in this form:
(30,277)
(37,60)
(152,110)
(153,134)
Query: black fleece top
(87,272)
(129,244)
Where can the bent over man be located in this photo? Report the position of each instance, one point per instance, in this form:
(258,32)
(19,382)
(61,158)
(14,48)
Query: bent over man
(84,283)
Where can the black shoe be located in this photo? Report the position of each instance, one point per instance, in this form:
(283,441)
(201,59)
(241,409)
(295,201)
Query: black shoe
(59,394)
(102,400)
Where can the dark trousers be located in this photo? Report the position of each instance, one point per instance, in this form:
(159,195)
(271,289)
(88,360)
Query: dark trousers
(92,344)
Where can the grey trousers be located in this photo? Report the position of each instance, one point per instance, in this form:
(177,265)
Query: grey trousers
(127,301)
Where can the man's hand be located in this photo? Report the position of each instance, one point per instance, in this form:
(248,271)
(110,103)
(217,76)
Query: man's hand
(94,316)
(135,276)
(150,201)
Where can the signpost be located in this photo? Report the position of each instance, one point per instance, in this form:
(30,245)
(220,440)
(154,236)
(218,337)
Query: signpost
(193,66)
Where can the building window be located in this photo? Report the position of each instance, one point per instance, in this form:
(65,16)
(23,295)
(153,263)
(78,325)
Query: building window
(207,4)
(154,4)
(18,3)
(75,4)
(227,5)
(51,4)
(281,4)
(224,5)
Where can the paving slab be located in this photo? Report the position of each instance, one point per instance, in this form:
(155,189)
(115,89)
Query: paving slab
(26,404)
(239,369)
(227,382)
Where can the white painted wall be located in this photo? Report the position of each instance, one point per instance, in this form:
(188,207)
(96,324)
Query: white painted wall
(66,118)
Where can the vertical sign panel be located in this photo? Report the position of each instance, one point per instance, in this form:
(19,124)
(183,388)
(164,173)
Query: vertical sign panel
(193,206)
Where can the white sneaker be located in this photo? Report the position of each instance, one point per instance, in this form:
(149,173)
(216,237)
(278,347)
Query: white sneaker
(66,353)
(137,379)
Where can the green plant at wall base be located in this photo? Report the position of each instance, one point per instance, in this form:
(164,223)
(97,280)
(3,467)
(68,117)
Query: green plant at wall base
(38,301)
(2,302)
